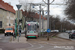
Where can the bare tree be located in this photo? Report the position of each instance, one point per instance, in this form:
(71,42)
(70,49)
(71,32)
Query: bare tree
(25,4)
(70,10)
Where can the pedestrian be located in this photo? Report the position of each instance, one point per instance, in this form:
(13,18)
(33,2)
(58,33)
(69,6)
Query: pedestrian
(19,32)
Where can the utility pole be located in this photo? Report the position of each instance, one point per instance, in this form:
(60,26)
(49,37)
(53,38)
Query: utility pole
(42,21)
(48,14)
(30,6)
(48,4)
(48,21)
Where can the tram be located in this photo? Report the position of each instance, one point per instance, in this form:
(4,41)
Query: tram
(32,29)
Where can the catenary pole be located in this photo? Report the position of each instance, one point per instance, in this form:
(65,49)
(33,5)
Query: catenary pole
(48,21)
(40,20)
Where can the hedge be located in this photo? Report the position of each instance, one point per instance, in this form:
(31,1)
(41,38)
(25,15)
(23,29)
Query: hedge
(2,31)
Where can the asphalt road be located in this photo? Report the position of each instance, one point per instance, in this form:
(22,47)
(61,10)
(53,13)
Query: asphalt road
(37,44)
(4,38)
(5,43)
(52,44)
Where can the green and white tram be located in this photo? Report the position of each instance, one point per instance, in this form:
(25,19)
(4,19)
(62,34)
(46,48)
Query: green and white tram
(32,29)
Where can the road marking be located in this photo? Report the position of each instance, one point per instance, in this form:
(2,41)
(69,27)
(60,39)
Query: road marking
(31,45)
(37,47)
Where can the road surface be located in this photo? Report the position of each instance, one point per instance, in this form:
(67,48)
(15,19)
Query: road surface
(41,43)
(4,38)
(5,43)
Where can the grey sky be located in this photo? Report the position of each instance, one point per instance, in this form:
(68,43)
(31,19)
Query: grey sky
(12,2)
(54,9)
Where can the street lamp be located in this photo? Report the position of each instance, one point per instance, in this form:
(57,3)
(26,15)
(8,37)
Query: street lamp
(18,6)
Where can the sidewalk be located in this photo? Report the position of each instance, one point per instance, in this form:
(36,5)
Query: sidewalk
(22,39)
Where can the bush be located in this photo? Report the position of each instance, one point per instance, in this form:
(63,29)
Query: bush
(2,31)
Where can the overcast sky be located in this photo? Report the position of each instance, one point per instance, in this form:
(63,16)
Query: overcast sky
(54,9)
(12,2)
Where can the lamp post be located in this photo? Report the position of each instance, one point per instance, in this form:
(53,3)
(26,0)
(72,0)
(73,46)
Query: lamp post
(18,6)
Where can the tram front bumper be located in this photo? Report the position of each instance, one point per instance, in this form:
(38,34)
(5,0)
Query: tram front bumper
(32,36)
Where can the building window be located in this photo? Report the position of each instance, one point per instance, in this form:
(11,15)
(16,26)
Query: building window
(0,24)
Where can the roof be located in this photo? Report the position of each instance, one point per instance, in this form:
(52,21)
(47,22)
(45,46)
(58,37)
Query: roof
(2,7)
(6,6)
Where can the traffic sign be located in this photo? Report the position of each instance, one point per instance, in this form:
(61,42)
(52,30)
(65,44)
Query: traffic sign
(33,7)
(18,6)
(48,30)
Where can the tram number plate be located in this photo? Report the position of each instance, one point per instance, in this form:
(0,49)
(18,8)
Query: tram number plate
(31,32)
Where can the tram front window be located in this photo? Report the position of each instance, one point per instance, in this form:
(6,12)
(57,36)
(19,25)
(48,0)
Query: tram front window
(31,27)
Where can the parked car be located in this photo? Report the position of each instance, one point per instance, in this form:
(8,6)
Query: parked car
(9,30)
(68,31)
(54,30)
(72,35)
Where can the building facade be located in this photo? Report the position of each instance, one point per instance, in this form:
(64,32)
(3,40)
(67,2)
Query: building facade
(7,15)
